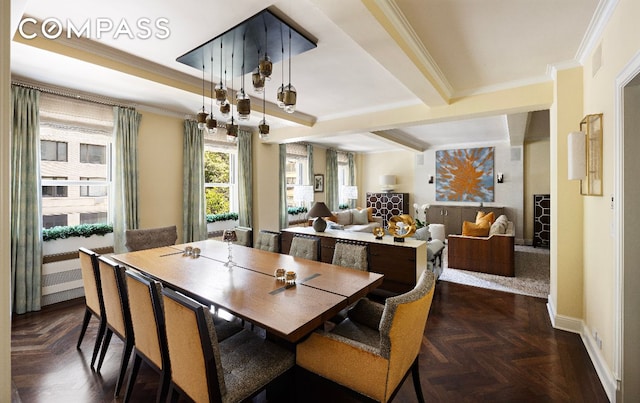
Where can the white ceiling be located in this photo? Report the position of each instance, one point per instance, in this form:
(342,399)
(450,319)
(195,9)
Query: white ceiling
(456,48)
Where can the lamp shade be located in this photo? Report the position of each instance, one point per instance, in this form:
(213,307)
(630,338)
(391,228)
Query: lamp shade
(577,156)
(319,209)
(387,182)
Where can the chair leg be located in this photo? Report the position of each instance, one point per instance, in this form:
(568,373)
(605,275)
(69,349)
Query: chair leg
(415,370)
(123,366)
(137,360)
(85,324)
(96,347)
(105,346)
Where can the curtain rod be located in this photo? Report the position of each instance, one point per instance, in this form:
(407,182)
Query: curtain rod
(62,92)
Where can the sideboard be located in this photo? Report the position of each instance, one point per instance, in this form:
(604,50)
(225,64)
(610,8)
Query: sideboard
(402,263)
(453,216)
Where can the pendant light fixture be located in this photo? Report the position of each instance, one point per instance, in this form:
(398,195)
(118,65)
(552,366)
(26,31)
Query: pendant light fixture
(202,114)
(290,93)
(258,79)
(211,123)
(243,102)
(232,128)
(280,95)
(225,106)
(265,67)
(221,89)
(263,127)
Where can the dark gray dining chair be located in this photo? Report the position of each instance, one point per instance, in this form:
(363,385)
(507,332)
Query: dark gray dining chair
(139,239)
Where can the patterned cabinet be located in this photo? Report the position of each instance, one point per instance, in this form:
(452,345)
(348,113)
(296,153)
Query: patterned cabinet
(542,220)
(386,205)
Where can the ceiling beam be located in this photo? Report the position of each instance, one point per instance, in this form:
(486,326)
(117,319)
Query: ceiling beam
(397,137)
(517,127)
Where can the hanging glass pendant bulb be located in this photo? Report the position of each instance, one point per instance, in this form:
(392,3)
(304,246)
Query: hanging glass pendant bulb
(201,117)
(211,123)
(263,127)
(280,94)
(290,94)
(258,82)
(243,102)
(232,131)
(221,89)
(265,66)
(225,109)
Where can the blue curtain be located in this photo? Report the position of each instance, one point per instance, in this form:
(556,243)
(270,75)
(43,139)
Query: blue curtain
(126,125)
(352,176)
(194,223)
(26,210)
(331,183)
(310,163)
(245,179)
(283,214)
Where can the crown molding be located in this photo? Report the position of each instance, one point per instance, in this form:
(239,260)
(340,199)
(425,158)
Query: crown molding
(596,27)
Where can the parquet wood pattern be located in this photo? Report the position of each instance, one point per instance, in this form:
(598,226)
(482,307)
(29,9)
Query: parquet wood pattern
(479,346)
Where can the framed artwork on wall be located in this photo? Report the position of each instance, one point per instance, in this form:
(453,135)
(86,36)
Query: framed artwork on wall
(318,183)
(465,174)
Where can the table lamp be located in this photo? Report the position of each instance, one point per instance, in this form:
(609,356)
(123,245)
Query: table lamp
(318,211)
(229,236)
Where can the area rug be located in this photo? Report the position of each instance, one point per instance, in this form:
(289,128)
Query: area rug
(532,274)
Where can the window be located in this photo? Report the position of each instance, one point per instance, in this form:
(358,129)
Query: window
(50,221)
(53,150)
(93,191)
(297,170)
(93,154)
(75,166)
(220,176)
(49,190)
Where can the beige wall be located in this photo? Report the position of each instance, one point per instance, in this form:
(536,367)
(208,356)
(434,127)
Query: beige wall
(536,180)
(266,185)
(398,163)
(5,224)
(160,171)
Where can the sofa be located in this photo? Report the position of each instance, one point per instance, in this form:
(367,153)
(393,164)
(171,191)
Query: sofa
(354,220)
(493,254)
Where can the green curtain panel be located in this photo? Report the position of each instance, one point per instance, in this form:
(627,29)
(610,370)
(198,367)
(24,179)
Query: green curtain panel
(245,179)
(193,198)
(352,176)
(331,182)
(126,125)
(282,211)
(310,162)
(26,210)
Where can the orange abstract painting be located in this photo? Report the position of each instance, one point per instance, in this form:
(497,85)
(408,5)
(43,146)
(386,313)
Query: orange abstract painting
(465,174)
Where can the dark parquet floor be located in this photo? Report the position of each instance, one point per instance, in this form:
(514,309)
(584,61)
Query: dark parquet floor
(479,346)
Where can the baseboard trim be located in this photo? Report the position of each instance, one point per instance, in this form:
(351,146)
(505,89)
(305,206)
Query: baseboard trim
(573,325)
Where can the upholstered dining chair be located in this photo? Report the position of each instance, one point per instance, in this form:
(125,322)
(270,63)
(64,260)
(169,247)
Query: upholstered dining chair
(373,350)
(305,247)
(244,235)
(93,298)
(350,254)
(139,239)
(116,305)
(268,240)
(147,319)
(206,370)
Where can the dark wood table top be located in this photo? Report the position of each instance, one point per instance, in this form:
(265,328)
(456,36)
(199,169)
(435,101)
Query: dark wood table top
(250,290)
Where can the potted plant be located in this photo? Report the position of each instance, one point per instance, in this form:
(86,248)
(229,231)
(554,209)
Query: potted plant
(70,238)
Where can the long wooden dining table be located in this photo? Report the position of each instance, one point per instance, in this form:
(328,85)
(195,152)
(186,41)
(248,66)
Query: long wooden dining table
(249,289)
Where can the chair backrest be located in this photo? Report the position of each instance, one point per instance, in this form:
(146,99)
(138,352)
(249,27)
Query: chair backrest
(269,241)
(139,239)
(305,247)
(244,235)
(193,348)
(91,280)
(116,300)
(351,255)
(147,317)
(402,327)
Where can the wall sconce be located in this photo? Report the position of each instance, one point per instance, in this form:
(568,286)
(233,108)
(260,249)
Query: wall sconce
(500,177)
(430,178)
(585,155)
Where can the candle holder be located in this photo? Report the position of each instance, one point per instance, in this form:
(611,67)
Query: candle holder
(229,236)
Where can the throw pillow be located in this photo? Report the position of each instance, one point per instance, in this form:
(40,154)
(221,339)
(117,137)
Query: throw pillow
(369,213)
(422,234)
(482,216)
(472,229)
(360,217)
(344,217)
(499,226)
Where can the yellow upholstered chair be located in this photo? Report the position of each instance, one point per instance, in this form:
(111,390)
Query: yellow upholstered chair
(93,298)
(139,239)
(305,247)
(373,350)
(116,305)
(206,370)
(350,254)
(147,319)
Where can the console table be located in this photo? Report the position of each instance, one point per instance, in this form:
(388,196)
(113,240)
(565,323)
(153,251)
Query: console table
(402,263)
